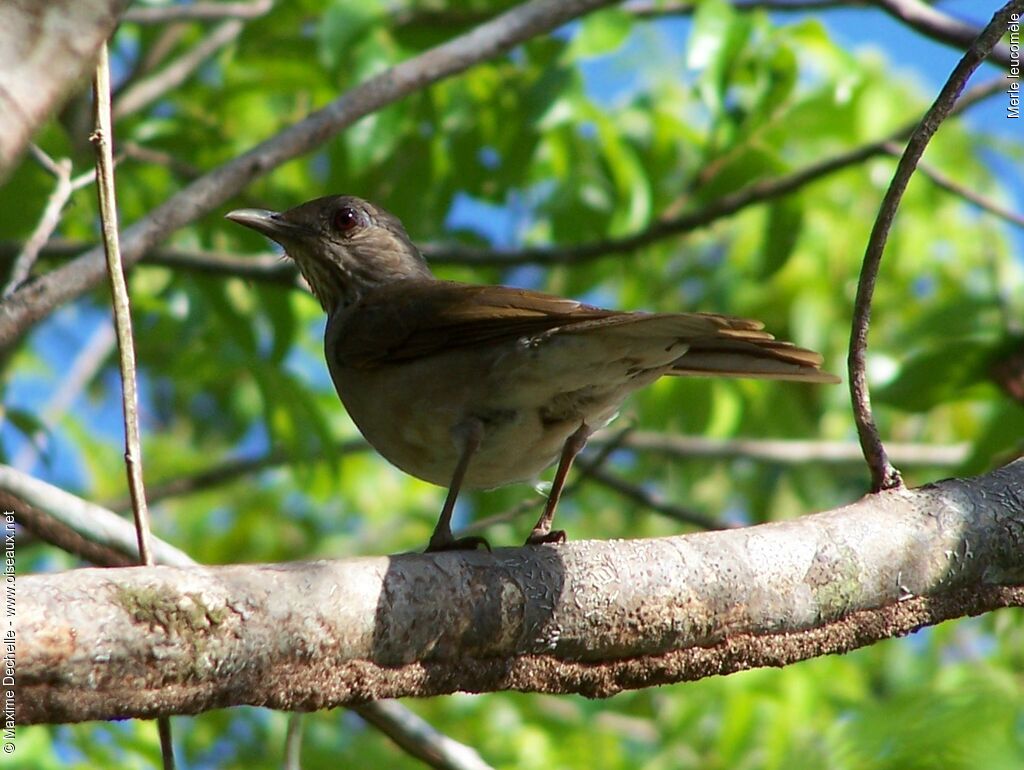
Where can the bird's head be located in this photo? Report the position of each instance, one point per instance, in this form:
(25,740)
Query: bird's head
(343,245)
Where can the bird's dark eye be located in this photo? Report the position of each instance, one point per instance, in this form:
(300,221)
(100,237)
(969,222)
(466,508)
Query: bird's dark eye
(346,219)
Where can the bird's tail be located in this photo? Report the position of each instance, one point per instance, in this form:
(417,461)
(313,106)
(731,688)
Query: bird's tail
(740,348)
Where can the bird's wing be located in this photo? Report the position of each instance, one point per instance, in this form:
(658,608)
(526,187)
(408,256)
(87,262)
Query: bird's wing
(410,320)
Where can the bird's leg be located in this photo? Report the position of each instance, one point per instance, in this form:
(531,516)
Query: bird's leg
(468,436)
(542,532)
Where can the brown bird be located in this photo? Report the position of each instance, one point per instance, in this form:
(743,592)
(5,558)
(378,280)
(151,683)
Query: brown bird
(481,386)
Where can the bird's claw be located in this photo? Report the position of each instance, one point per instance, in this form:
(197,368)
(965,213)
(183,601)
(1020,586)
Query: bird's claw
(468,543)
(539,537)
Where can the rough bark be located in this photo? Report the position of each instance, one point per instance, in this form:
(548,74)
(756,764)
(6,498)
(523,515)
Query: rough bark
(45,50)
(588,617)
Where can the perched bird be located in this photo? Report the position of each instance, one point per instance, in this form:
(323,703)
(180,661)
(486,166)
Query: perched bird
(481,386)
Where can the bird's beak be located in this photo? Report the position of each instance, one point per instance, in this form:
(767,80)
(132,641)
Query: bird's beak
(269,223)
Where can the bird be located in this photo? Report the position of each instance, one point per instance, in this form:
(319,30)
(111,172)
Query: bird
(479,386)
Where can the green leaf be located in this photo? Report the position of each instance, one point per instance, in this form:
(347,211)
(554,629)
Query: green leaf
(717,40)
(781,233)
(937,375)
(342,24)
(600,34)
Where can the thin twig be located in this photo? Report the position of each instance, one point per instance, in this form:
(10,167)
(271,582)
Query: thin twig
(149,89)
(197,12)
(657,8)
(933,23)
(779,451)
(789,451)
(644,9)
(418,738)
(102,138)
(654,501)
(952,186)
(883,474)
(293,742)
(62,191)
(233,469)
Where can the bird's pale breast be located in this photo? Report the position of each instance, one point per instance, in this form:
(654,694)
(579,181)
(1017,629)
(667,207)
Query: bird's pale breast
(530,396)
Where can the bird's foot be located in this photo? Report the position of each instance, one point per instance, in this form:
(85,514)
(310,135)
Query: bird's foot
(540,536)
(468,543)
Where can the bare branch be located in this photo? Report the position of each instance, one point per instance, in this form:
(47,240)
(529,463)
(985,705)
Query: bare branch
(418,739)
(65,187)
(933,23)
(92,521)
(40,297)
(780,451)
(51,530)
(950,185)
(644,8)
(103,139)
(197,12)
(884,475)
(587,617)
(654,501)
(293,742)
(791,451)
(148,90)
(44,229)
(231,470)
(641,9)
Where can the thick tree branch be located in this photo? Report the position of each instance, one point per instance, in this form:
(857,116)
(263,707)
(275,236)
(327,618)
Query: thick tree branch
(90,537)
(45,49)
(587,617)
(38,298)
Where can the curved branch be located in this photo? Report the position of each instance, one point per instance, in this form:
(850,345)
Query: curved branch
(883,474)
(587,617)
